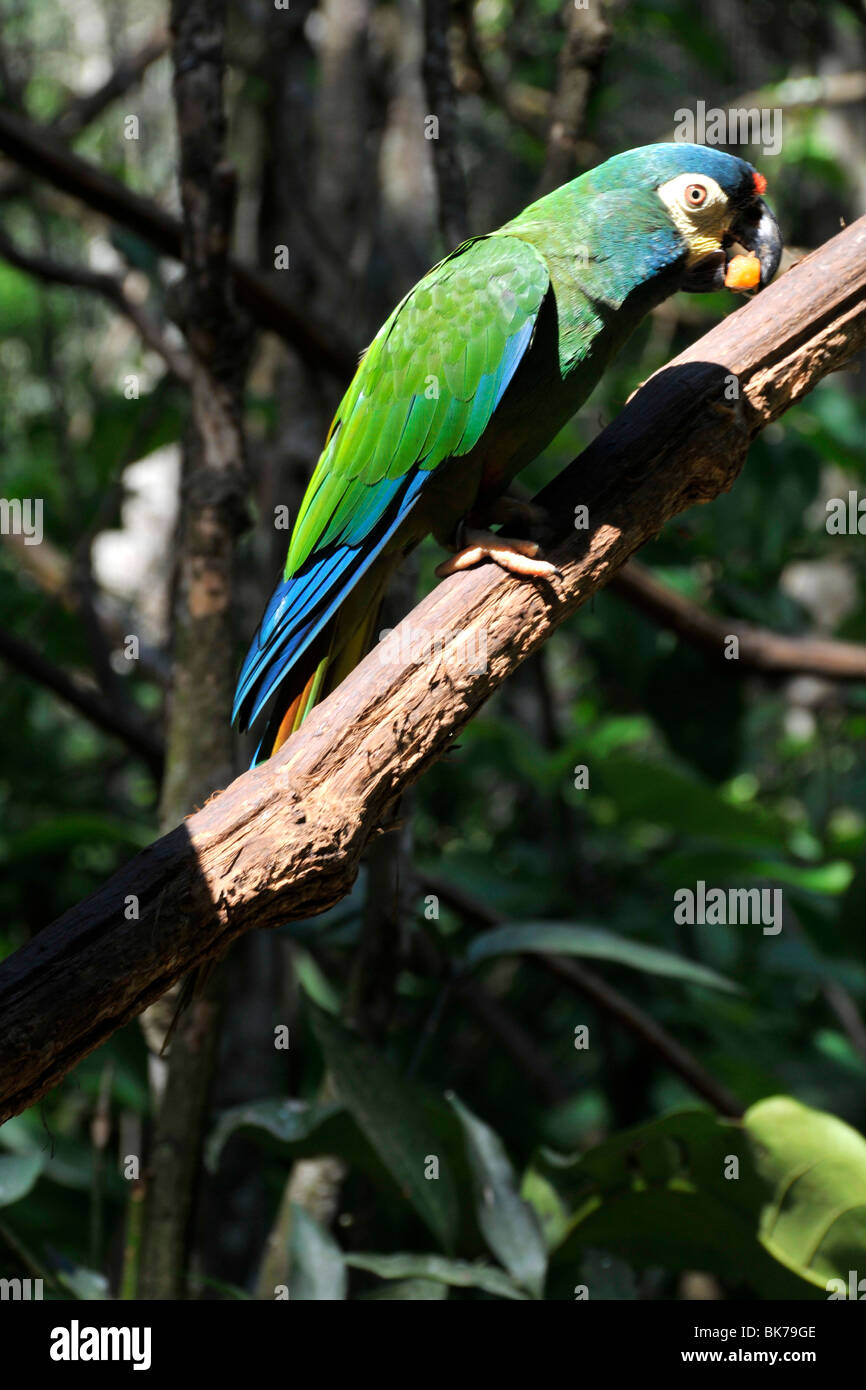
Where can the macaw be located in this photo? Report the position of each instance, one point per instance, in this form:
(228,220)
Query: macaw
(471,376)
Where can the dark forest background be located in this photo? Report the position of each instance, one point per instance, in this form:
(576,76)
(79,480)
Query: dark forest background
(438,1125)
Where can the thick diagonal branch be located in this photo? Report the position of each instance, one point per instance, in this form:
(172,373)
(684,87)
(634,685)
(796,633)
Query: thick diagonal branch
(284,841)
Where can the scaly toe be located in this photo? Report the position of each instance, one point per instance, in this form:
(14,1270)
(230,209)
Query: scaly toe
(516,556)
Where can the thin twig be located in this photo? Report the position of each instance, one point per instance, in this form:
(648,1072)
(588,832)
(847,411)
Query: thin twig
(676,1057)
(89,703)
(82,278)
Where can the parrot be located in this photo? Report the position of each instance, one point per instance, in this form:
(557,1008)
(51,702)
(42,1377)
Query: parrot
(471,376)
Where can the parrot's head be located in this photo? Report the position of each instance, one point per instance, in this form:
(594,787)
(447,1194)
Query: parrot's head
(713,202)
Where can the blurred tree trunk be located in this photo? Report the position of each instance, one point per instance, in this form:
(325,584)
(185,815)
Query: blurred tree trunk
(198,743)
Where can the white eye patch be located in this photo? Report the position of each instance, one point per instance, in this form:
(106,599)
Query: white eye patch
(699,209)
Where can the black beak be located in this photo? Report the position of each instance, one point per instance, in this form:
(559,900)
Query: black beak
(755,229)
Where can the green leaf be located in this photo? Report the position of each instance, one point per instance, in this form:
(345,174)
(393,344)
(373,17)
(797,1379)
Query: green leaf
(318,1271)
(569,939)
(508,1223)
(403,1126)
(90,1285)
(731,866)
(315,982)
(777,1201)
(545,1201)
(20,300)
(458,1273)
(426,1289)
(62,831)
(289,1121)
(18,1173)
(815,1222)
(659,1195)
(667,796)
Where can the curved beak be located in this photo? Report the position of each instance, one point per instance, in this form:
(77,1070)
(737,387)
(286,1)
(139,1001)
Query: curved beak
(755,229)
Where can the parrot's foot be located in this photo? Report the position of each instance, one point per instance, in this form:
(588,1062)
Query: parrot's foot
(518,557)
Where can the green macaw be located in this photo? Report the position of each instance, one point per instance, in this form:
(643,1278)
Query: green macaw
(471,376)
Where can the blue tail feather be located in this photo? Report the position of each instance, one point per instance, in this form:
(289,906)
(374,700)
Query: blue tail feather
(302,606)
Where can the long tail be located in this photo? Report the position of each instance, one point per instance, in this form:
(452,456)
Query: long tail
(337,649)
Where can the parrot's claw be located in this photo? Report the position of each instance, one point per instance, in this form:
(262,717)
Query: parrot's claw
(516,556)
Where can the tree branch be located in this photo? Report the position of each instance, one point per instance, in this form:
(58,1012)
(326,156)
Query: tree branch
(92,705)
(37,149)
(526,107)
(771,653)
(81,110)
(82,278)
(798,94)
(284,841)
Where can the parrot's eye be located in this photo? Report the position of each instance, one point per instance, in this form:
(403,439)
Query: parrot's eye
(695,195)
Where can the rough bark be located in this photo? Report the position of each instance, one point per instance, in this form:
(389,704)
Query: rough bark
(284,841)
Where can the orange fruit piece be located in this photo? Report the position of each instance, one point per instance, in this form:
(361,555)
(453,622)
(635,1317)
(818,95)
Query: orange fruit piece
(743,272)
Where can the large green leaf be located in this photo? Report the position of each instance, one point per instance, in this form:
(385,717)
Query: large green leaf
(777,1201)
(508,1223)
(668,796)
(458,1273)
(289,1121)
(571,939)
(658,1195)
(18,1173)
(405,1127)
(718,866)
(815,1222)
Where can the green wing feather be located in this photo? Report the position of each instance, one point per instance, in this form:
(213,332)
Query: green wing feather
(424,392)
(425,389)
